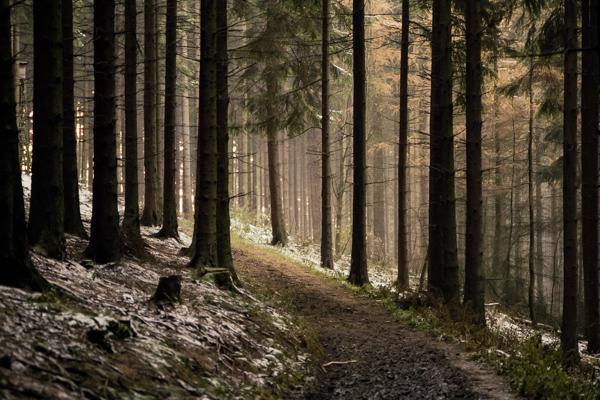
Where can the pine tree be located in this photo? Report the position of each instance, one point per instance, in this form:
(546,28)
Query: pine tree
(104,244)
(169,227)
(474,289)
(402,279)
(358,263)
(151,212)
(326,235)
(223,219)
(130,232)
(570,350)
(46,215)
(72,213)
(16,268)
(443,261)
(204,246)
(589,171)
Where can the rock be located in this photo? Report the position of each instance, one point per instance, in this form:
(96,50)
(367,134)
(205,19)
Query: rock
(168,290)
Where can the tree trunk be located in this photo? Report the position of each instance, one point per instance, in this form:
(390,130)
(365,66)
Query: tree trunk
(169,227)
(358,263)
(130,234)
(443,261)
(531,257)
(104,240)
(326,244)
(16,268)
(401,233)
(474,294)
(150,215)
(205,226)
(589,172)
(570,350)
(46,215)
(223,220)
(277,222)
(72,215)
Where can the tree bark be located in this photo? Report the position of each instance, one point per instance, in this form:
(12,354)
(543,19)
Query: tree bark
(104,244)
(402,255)
(223,219)
(326,235)
(169,227)
(130,233)
(72,214)
(277,222)
(589,172)
(474,293)
(443,261)
(358,263)
(46,215)
(205,226)
(570,350)
(150,215)
(16,268)
(531,257)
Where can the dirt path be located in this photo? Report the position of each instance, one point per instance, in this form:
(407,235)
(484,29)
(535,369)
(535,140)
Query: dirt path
(388,359)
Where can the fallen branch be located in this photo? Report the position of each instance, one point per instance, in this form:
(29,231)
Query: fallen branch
(330,363)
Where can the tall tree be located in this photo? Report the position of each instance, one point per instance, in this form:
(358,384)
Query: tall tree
(130,231)
(46,215)
(104,240)
(474,289)
(326,235)
(443,260)
(569,319)
(358,262)
(169,227)
(223,220)
(402,150)
(273,163)
(589,171)
(72,213)
(151,213)
(204,247)
(16,268)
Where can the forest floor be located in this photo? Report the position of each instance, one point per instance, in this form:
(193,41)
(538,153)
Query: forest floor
(365,353)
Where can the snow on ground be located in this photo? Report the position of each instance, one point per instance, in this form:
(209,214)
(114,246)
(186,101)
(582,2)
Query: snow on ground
(102,337)
(308,254)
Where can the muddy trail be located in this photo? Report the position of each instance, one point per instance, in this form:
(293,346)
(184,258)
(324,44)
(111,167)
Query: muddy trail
(365,353)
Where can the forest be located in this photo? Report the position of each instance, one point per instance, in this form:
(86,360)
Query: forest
(299,199)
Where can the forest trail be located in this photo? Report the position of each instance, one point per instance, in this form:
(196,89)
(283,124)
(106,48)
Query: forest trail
(382,358)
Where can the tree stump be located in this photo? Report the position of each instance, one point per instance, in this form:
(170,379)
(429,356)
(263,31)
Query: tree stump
(168,290)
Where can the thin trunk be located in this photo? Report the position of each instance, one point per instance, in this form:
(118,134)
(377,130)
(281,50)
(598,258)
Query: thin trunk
(104,239)
(531,258)
(277,222)
(589,172)
(222,102)
(16,268)
(569,320)
(358,263)
(130,233)
(326,235)
(72,215)
(150,215)
(474,294)
(169,227)
(402,255)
